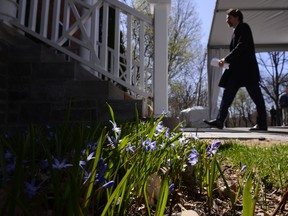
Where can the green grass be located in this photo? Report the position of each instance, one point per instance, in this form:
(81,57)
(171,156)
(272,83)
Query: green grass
(271,163)
(106,170)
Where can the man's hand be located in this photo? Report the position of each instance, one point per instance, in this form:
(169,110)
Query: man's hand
(222,62)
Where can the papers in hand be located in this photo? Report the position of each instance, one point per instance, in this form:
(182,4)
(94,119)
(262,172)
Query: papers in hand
(215,62)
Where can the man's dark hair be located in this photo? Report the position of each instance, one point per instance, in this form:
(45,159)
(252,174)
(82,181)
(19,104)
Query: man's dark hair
(235,13)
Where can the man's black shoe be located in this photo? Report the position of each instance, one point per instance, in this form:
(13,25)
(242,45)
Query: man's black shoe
(214,123)
(257,128)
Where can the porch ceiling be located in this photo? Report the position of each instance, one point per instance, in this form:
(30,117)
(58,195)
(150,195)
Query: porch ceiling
(267,19)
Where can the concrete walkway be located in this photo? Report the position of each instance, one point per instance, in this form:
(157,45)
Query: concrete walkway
(273,134)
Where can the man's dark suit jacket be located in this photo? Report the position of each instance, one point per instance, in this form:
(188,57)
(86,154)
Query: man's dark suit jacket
(243,69)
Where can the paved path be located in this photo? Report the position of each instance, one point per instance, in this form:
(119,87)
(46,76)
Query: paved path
(274,133)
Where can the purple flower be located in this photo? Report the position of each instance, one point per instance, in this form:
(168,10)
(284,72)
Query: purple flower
(92,146)
(131,148)
(90,156)
(167,133)
(216,144)
(101,169)
(243,168)
(86,176)
(31,188)
(116,129)
(111,141)
(182,140)
(159,129)
(108,184)
(194,137)
(193,157)
(60,165)
(171,187)
(211,150)
(81,164)
(149,145)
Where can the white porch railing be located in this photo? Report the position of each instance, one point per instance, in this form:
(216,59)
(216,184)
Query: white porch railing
(113,40)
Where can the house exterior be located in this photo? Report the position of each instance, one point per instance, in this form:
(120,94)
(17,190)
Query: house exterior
(66,60)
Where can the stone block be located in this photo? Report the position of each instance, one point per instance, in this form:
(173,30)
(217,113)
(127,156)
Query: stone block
(193,117)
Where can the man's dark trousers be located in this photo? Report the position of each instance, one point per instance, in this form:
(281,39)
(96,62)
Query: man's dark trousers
(254,92)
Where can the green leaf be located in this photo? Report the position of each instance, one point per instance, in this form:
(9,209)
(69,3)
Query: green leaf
(249,201)
(163,197)
(118,190)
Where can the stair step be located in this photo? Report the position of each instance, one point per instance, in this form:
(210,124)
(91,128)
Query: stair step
(38,85)
(93,89)
(123,110)
(17,45)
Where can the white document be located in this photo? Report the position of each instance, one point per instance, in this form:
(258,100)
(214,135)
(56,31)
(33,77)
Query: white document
(215,62)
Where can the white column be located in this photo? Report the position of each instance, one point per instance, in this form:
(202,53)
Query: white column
(214,75)
(161,9)
(8,10)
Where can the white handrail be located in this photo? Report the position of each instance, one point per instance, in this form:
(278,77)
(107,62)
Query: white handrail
(87,27)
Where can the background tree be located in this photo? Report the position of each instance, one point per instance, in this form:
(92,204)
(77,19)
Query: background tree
(186,67)
(274,74)
(184,39)
(187,57)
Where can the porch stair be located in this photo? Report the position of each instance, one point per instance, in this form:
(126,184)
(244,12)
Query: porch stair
(41,86)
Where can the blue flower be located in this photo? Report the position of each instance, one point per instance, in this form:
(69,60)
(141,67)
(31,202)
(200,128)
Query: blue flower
(166,133)
(92,146)
(116,129)
(211,150)
(182,140)
(112,141)
(90,156)
(193,157)
(60,165)
(243,168)
(100,163)
(131,148)
(81,164)
(171,187)
(86,176)
(194,136)
(101,169)
(108,184)
(159,129)
(31,188)
(149,145)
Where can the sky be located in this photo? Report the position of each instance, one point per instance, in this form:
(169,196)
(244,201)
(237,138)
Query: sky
(205,9)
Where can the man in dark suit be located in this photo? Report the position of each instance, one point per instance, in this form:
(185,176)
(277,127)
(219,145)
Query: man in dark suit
(243,72)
